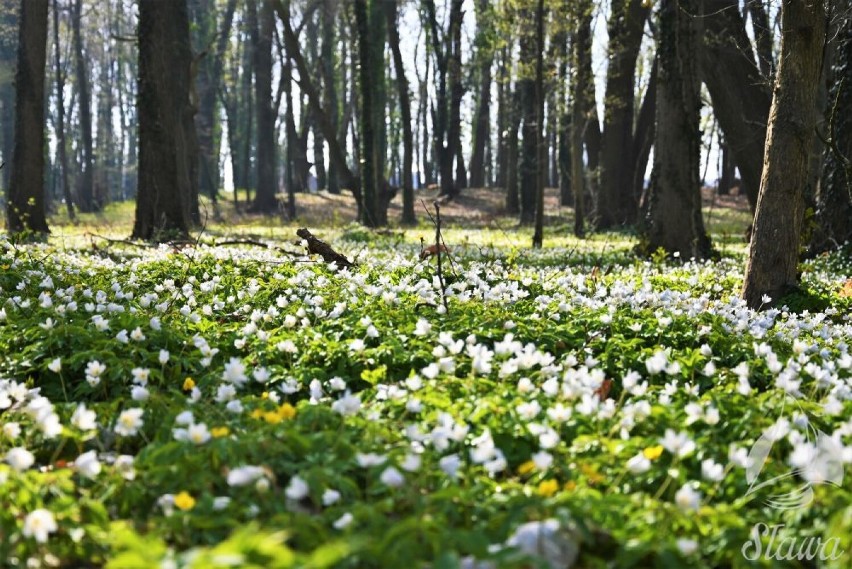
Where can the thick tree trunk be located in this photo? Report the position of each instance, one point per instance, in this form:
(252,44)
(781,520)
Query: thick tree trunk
(264,199)
(329,77)
(86,180)
(772,267)
(370,163)
(834,197)
(673,221)
(616,204)
(528,167)
(408,216)
(167,145)
(25,209)
(8,57)
(738,91)
(62,149)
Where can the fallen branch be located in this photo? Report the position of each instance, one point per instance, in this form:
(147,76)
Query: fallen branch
(319,247)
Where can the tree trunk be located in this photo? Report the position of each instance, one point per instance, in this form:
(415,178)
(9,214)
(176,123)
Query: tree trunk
(408,216)
(673,221)
(25,209)
(581,111)
(86,180)
(370,161)
(264,199)
(330,98)
(8,57)
(643,137)
(62,149)
(616,205)
(774,250)
(834,197)
(762,37)
(738,91)
(290,150)
(541,164)
(528,167)
(481,121)
(504,99)
(167,145)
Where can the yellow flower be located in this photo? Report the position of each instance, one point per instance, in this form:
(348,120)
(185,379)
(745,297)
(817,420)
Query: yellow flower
(264,395)
(526,467)
(272,417)
(184,501)
(219,432)
(548,488)
(653,453)
(570,486)
(188,384)
(287,411)
(257,414)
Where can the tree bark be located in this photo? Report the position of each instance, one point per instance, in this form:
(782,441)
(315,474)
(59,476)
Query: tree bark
(264,199)
(616,204)
(834,196)
(540,163)
(330,98)
(86,180)
(737,89)
(673,221)
(643,137)
(167,145)
(762,37)
(8,57)
(481,121)
(774,250)
(25,209)
(62,149)
(581,111)
(408,216)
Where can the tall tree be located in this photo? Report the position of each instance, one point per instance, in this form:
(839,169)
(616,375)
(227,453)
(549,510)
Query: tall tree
(737,89)
(25,209)
(581,115)
(673,220)
(616,204)
(330,97)
(541,164)
(60,113)
(86,187)
(167,145)
(774,250)
(264,201)
(8,58)
(408,216)
(527,68)
(211,51)
(834,196)
(485,42)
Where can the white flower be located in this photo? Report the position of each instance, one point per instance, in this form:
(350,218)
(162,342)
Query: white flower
(164,357)
(244,475)
(411,462)
(687,498)
(137,335)
(198,434)
(657,363)
(679,444)
(129,422)
(712,471)
(343,521)
(366,460)
(11,430)
(297,489)
(450,464)
(95,368)
(347,405)
(19,458)
(422,328)
(330,497)
(235,372)
(687,546)
(392,477)
(139,393)
(88,465)
(542,460)
(639,464)
(221,502)
(261,375)
(55,365)
(39,524)
(84,419)
(124,466)
(140,375)
(356,345)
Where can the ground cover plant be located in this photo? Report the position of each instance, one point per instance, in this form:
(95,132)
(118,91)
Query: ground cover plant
(248,406)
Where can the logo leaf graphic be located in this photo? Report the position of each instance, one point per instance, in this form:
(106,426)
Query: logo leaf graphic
(757,457)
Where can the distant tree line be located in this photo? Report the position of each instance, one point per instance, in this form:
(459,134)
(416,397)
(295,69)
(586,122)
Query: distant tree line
(148,100)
